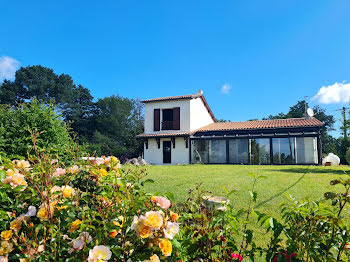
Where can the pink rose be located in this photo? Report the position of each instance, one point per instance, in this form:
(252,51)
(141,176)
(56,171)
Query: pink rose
(59,171)
(4,259)
(162,202)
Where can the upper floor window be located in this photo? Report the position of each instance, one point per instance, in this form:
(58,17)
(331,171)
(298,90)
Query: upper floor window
(170,119)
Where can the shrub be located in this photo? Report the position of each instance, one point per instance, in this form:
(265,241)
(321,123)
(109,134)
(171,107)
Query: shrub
(90,210)
(19,124)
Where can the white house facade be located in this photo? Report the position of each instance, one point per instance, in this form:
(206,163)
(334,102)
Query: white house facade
(183,130)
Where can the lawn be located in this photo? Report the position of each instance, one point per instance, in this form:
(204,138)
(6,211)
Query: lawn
(298,181)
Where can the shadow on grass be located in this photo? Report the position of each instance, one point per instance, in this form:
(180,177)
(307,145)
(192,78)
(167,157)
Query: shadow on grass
(281,192)
(310,171)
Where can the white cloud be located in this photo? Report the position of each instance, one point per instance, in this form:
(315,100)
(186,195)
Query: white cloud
(8,67)
(225,89)
(333,94)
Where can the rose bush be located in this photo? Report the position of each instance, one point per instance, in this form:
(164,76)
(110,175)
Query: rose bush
(90,211)
(95,209)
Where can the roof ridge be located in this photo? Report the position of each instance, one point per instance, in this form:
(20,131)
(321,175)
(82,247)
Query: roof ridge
(167,97)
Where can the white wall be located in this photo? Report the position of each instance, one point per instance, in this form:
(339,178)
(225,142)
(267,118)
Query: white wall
(154,155)
(184,115)
(199,114)
(193,115)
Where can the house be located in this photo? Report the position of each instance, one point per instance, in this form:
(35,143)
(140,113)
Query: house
(183,130)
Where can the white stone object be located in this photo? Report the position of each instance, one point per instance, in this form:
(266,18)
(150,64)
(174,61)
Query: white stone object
(331,158)
(219,203)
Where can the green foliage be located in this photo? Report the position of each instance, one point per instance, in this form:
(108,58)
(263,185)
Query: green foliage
(106,203)
(117,122)
(19,124)
(109,125)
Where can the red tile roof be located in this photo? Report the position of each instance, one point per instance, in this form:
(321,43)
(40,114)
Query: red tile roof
(262,124)
(171,98)
(164,135)
(192,96)
(247,125)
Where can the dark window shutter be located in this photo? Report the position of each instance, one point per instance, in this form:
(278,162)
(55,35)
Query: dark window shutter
(176,118)
(156,120)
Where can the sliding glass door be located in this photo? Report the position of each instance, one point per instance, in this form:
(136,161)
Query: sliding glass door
(283,150)
(200,151)
(306,150)
(260,151)
(238,151)
(217,151)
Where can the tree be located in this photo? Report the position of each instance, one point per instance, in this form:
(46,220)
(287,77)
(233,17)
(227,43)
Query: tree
(343,142)
(110,125)
(117,122)
(46,86)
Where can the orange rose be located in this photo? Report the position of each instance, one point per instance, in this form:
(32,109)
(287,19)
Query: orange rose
(166,247)
(113,233)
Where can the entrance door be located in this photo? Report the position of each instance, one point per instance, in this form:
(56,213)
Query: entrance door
(166,151)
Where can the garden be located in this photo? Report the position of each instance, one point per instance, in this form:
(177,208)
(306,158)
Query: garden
(99,210)
(61,203)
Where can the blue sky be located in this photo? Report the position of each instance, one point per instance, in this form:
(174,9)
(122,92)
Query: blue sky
(266,54)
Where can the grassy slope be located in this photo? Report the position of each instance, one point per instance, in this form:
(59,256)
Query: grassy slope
(299,181)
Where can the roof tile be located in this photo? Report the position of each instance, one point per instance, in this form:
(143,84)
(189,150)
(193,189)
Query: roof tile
(262,124)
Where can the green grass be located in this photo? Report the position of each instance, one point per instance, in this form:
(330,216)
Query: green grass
(299,181)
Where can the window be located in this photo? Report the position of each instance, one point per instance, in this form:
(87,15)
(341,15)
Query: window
(238,151)
(306,150)
(217,151)
(200,151)
(283,150)
(171,119)
(208,151)
(260,151)
(167,115)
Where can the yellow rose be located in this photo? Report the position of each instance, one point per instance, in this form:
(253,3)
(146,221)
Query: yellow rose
(16,224)
(74,169)
(11,172)
(114,159)
(43,212)
(67,191)
(75,225)
(143,231)
(23,164)
(5,247)
(166,247)
(6,235)
(153,258)
(153,219)
(103,172)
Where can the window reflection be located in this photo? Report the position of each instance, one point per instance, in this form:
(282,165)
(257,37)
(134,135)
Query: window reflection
(238,151)
(283,150)
(260,151)
(217,151)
